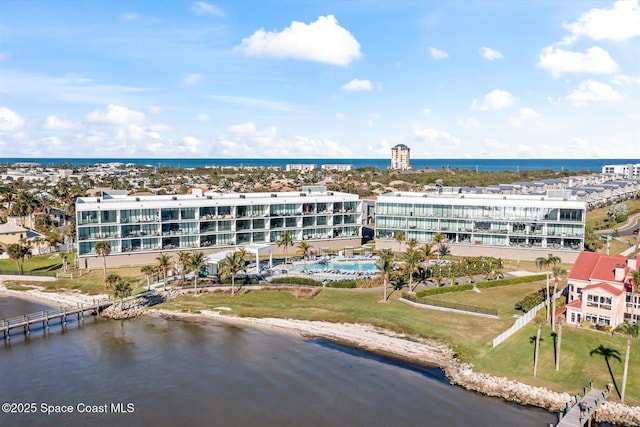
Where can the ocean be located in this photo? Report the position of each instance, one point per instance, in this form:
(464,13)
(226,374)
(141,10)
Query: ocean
(488,165)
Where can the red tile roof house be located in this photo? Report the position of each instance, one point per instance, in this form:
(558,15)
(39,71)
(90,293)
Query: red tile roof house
(600,290)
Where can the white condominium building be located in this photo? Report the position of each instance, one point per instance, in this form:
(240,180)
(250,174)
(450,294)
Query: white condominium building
(628,171)
(473,223)
(150,224)
(400,157)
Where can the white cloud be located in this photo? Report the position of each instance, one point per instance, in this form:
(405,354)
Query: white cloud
(357,85)
(525,114)
(248,127)
(159,127)
(10,120)
(322,41)
(203,117)
(189,144)
(469,123)
(436,138)
(253,102)
(590,91)
(134,132)
(494,100)
(623,80)
(3,56)
(634,116)
(116,114)
(558,61)
(437,53)
(426,112)
(56,123)
(490,54)
(192,79)
(579,145)
(201,8)
(622,22)
(341,116)
(130,16)
(155,109)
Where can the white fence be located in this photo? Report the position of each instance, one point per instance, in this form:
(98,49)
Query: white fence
(528,317)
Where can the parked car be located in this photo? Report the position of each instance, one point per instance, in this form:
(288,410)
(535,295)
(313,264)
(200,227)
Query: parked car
(636,231)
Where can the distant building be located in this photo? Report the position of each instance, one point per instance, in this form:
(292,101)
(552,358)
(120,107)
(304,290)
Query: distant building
(628,171)
(339,167)
(400,157)
(300,167)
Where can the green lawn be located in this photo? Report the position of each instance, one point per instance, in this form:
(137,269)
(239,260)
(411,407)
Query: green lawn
(48,262)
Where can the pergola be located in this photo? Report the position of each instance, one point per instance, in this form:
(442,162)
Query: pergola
(258,249)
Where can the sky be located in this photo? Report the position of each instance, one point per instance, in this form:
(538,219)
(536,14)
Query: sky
(319,79)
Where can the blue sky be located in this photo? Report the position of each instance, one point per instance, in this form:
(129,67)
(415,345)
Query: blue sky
(320,79)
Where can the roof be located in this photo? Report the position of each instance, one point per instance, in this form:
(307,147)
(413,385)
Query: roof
(605,287)
(593,265)
(11,228)
(575,304)
(605,268)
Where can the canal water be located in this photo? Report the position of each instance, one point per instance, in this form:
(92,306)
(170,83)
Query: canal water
(158,372)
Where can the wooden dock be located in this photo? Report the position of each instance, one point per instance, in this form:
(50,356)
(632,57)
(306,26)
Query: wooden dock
(46,316)
(578,417)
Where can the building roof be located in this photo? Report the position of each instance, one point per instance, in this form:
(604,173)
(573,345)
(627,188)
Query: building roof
(11,228)
(605,287)
(575,304)
(595,266)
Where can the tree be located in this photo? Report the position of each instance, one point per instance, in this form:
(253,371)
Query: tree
(38,240)
(631,331)
(164,262)
(443,250)
(560,322)
(147,270)
(122,290)
(196,262)
(546,264)
(400,237)
(385,265)
(111,280)
(304,250)
(18,252)
(558,273)
(608,353)
(412,259)
(184,257)
(231,265)
(539,321)
(592,241)
(103,249)
(285,240)
(412,243)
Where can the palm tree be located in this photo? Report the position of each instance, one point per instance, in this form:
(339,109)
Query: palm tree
(196,262)
(304,249)
(438,238)
(539,321)
(231,265)
(608,353)
(122,289)
(164,262)
(103,249)
(285,240)
(400,237)
(147,270)
(560,322)
(558,273)
(547,263)
(183,259)
(385,265)
(412,243)
(18,252)
(38,240)
(412,259)
(443,250)
(631,330)
(427,252)
(111,280)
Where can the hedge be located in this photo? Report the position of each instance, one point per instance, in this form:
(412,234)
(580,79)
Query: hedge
(345,284)
(295,281)
(481,285)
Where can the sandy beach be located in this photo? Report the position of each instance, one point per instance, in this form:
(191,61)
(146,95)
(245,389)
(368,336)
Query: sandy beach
(54,299)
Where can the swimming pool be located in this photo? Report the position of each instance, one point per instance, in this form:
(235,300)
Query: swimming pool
(342,267)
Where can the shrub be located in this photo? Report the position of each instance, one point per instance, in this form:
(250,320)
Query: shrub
(531,300)
(304,281)
(343,284)
(444,290)
(621,218)
(510,281)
